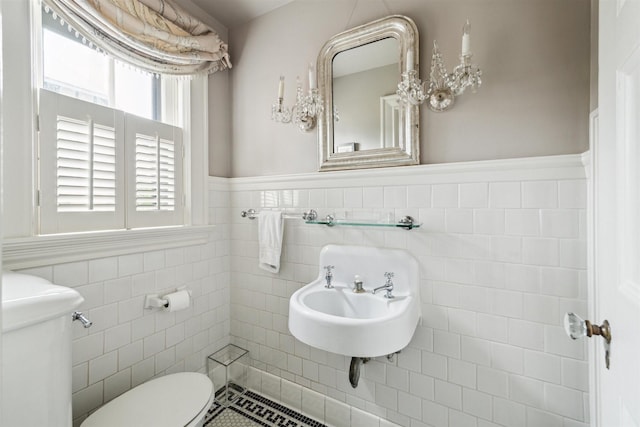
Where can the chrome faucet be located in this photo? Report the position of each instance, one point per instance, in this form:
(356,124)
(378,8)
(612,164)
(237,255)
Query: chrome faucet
(388,286)
(328,277)
(357,285)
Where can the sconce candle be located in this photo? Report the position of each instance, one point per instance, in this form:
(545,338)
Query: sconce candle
(466,39)
(410,59)
(279,112)
(312,76)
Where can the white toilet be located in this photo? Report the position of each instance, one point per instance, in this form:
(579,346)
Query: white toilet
(36,351)
(175,400)
(36,368)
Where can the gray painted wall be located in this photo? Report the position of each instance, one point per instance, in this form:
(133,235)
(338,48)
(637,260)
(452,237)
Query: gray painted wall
(220,123)
(534,101)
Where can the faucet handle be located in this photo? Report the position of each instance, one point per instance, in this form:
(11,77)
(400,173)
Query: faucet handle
(328,277)
(78,315)
(388,286)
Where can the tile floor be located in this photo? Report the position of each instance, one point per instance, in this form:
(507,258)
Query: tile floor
(252,410)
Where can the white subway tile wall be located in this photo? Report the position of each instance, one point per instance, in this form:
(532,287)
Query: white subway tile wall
(128,345)
(500,263)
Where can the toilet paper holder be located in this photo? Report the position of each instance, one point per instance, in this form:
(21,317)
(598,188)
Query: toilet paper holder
(155,301)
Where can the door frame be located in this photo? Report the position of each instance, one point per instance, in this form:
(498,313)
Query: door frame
(592,306)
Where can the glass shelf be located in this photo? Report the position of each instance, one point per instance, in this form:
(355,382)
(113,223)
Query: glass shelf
(311,217)
(407,223)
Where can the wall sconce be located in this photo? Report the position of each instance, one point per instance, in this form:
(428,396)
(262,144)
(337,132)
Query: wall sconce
(442,88)
(306,109)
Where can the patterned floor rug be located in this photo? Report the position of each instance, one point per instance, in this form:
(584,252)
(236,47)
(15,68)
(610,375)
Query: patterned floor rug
(252,410)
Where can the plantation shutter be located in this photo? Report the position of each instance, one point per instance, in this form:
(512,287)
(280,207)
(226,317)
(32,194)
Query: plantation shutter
(85,166)
(154,173)
(81,165)
(102,169)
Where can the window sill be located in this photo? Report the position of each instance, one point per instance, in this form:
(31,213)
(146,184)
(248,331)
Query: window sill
(29,252)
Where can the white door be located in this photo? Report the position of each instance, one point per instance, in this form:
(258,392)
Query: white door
(616,156)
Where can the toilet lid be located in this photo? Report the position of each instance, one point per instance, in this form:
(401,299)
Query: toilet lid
(170,401)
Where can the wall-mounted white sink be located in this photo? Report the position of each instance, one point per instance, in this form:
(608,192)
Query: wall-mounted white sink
(358,324)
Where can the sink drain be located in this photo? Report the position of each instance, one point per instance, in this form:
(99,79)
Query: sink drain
(354,370)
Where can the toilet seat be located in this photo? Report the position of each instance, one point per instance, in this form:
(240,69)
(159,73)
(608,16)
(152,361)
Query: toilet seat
(175,400)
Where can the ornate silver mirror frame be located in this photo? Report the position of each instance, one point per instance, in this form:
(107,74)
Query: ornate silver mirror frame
(407,149)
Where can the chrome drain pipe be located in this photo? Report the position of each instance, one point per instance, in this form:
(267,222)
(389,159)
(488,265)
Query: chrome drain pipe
(354,370)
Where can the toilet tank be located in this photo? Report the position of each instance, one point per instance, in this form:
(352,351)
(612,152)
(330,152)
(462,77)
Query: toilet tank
(36,351)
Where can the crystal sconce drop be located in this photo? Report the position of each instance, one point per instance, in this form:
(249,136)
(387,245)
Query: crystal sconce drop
(442,88)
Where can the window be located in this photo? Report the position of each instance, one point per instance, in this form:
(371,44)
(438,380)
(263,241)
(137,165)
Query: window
(23,245)
(72,67)
(107,160)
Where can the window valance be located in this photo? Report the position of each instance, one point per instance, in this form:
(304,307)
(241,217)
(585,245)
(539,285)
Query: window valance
(157,36)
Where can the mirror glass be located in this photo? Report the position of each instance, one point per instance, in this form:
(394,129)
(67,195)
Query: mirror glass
(365,80)
(363,124)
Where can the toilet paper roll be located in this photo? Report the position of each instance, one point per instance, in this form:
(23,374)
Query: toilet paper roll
(177,301)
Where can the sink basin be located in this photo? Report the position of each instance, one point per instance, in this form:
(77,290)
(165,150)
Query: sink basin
(358,324)
(344,303)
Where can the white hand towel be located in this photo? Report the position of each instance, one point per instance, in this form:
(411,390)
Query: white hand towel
(270,230)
